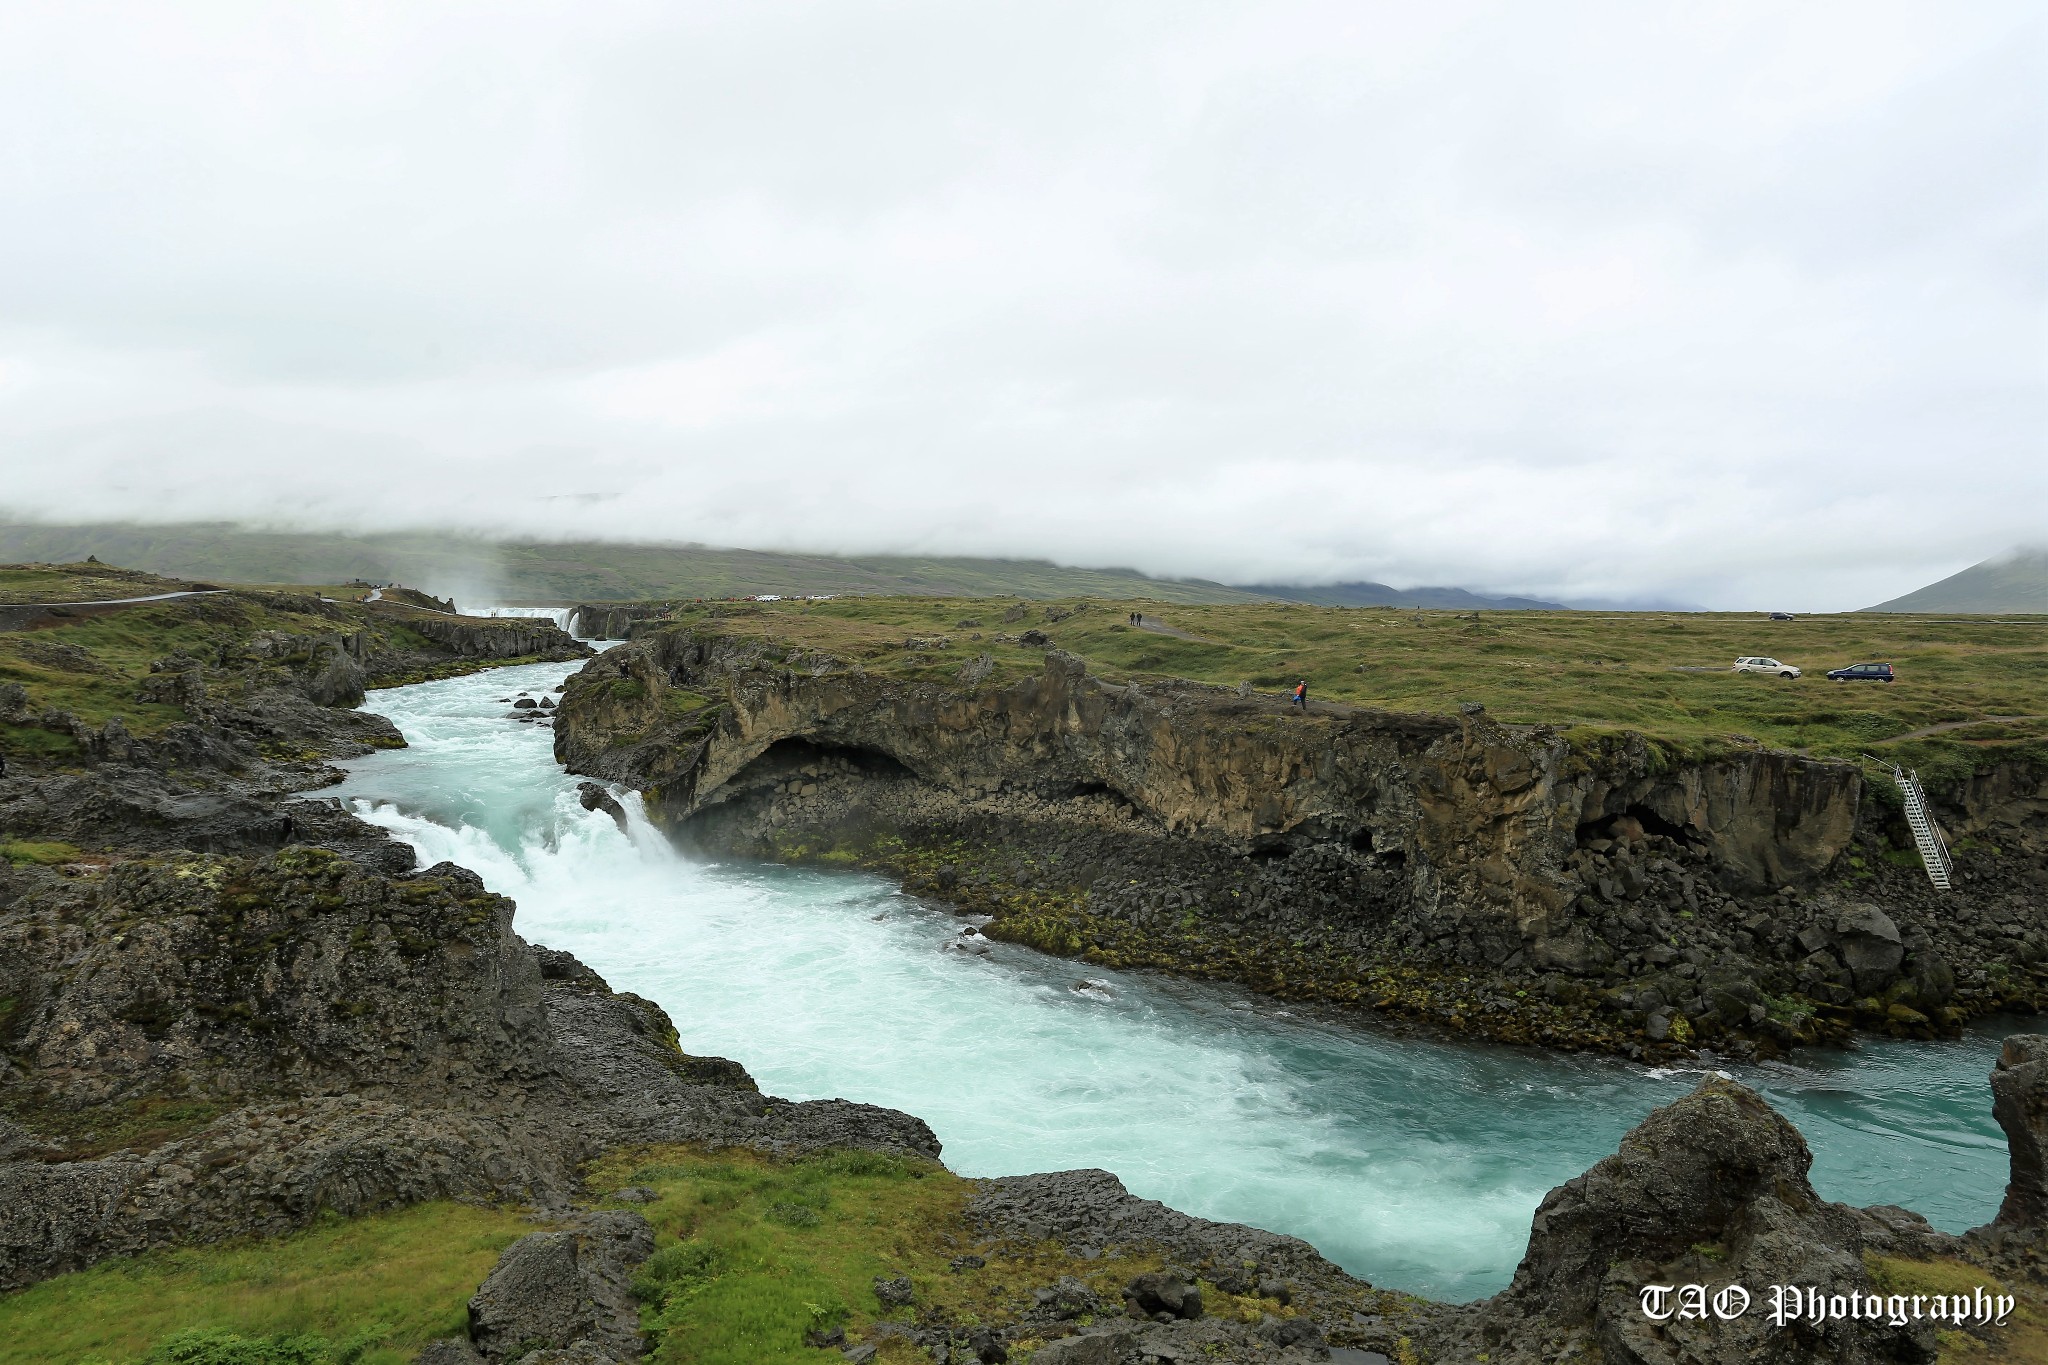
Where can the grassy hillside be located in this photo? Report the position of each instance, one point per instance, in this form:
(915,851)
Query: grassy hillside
(28,583)
(1667,676)
(2012,583)
(471,569)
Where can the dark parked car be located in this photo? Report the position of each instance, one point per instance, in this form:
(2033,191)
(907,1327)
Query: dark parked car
(1861,673)
(1781,616)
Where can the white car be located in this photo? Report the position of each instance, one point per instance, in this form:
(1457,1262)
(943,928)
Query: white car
(1761,665)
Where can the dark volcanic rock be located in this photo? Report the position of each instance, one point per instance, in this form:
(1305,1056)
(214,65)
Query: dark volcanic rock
(1092,1208)
(556,1289)
(265,1170)
(2019,1100)
(1162,1291)
(1710,1190)
(299,973)
(1165,824)
(593,796)
(1870,947)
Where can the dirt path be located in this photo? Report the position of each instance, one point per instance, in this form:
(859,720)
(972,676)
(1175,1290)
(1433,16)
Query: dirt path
(124,601)
(34,615)
(1158,627)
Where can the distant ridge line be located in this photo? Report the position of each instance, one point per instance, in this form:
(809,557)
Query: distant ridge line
(473,568)
(2015,582)
(1381,595)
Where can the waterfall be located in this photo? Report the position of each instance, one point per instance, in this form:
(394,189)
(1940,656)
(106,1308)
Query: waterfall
(1412,1161)
(562,616)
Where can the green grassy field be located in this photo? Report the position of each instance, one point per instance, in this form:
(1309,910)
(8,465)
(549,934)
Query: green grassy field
(81,583)
(369,1290)
(1665,675)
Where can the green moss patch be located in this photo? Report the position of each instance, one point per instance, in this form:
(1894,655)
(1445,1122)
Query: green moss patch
(752,1253)
(43,852)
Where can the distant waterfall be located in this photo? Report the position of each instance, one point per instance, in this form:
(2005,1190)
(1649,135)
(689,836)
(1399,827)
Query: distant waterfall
(562,616)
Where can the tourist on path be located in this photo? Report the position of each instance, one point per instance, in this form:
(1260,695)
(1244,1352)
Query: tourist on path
(1301,694)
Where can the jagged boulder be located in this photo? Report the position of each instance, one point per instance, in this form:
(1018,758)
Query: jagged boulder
(1870,947)
(566,1289)
(1713,1191)
(2019,1100)
(1163,1291)
(593,796)
(336,680)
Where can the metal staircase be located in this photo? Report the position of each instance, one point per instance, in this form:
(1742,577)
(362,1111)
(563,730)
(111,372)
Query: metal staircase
(1927,834)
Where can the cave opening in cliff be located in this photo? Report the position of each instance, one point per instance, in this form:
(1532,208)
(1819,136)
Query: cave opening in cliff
(820,758)
(1617,827)
(1394,859)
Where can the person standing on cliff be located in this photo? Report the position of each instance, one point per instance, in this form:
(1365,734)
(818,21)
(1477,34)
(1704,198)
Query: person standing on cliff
(1301,694)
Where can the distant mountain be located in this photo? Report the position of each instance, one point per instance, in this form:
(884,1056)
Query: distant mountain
(475,570)
(2015,582)
(1633,604)
(1380,595)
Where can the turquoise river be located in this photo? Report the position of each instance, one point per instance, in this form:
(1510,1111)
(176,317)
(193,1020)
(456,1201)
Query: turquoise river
(1413,1163)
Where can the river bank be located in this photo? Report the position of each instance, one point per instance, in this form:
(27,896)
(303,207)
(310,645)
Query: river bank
(1508,882)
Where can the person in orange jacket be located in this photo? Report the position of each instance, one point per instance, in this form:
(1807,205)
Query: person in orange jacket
(1301,694)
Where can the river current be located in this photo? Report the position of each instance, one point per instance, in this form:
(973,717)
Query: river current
(1413,1163)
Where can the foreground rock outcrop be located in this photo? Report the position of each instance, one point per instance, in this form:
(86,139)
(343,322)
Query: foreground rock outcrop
(1668,1252)
(2019,1090)
(1710,1191)
(1507,880)
(207,1047)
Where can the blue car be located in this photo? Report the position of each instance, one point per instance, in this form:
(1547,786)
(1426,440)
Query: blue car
(1861,673)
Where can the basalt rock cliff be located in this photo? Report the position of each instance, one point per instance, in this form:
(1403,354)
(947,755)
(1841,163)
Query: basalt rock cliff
(1499,878)
(224,1009)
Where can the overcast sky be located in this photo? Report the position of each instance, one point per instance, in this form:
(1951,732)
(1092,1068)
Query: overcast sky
(1735,303)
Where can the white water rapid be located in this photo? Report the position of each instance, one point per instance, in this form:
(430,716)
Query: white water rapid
(1416,1164)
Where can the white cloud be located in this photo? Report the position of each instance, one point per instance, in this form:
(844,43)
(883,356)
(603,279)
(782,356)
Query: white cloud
(1736,303)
